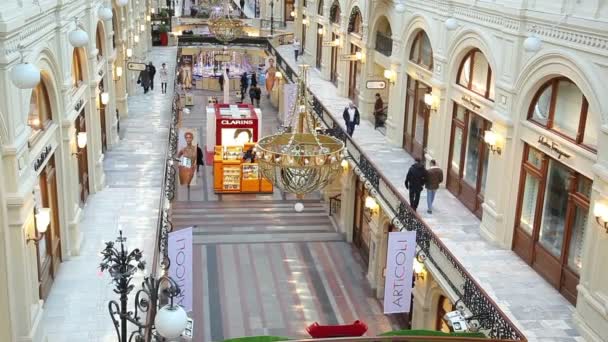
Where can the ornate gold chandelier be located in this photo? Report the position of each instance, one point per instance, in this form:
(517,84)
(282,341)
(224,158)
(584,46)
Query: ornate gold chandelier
(223,26)
(301,161)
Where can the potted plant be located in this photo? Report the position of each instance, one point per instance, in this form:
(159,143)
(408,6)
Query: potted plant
(164,34)
(164,13)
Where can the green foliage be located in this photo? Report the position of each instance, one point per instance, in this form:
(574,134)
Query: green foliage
(163,28)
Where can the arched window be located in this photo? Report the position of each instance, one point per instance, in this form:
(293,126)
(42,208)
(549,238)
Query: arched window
(40,114)
(114,29)
(320,8)
(384,42)
(334,13)
(77,75)
(476,75)
(443,307)
(422,52)
(355,22)
(560,106)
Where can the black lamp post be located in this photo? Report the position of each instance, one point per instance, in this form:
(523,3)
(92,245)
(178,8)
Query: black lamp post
(272,17)
(166,322)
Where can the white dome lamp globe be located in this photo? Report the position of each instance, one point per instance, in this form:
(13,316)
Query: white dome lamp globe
(451,24)
(122,3)
(298,207)
(105,13)
(78,37)
(532,43)
(170,321)
(25,75)
(400,7)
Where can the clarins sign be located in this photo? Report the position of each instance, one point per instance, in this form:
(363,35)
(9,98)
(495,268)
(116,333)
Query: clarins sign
(237,122)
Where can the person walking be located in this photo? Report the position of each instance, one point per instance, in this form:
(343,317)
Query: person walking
(378,111)
(242,3)
(414,181)
(435,177)
(152,74)
(164,77)
(254,79)
(252,94)
(144,79)
(244,85)
(351,118)
(258,95)
(221,80)
(296,48)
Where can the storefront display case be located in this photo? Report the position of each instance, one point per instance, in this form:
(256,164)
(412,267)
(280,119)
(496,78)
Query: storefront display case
(234,171)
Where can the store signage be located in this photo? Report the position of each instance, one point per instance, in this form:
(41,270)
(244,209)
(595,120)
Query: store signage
(42,157)
(136,66)
(375,84)
(222,58)
(469,100)
(553,146)
(237,122)
(79,105)
(180,268)
(329,43)
(399,271)
(348,57)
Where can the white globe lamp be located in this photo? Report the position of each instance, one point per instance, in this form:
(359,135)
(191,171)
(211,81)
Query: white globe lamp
(25,75)
(78,37)
(532,43)
(171,321)
(122,3)
(451,24)
(105,13)
(298,207)
(400,7)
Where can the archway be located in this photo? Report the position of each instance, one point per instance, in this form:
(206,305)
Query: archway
(78,78)
(334,19)
(355,28)
(102,95)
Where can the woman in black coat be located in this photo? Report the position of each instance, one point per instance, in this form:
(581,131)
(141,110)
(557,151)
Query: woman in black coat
(199,158)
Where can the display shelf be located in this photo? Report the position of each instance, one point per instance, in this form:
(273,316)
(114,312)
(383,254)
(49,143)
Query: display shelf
(250,172)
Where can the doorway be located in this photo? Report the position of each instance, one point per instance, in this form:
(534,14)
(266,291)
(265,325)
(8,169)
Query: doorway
(333,74)
(468,165)
(353,75)
(102,119)
(361,229)
(83,162)
(319,58)
(48,249)
(416,120)
(551,217)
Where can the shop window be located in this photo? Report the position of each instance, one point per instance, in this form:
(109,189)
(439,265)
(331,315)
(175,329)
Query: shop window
(476,75)
(289,8)
(334,13)
(77,75)
(560,106)
(320,8)
(99,41)
(553,211)
(422,52)
(40,115)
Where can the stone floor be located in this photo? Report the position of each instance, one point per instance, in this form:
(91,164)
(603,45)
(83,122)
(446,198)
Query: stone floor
(538,310)
(259,267)
(76,309)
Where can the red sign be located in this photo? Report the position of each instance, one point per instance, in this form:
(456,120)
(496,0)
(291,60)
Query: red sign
(225,124)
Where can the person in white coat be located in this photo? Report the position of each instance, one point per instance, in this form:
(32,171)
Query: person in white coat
(164,76)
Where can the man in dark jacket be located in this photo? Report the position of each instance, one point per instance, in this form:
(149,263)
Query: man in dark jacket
(244,85)
(144,79)
(152,74)
(351,118)
(435,177)
(221,80)
(414,181)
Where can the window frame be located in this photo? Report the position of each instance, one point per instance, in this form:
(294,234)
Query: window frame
(418,41)
(45,117)
(471,54)
(584,111)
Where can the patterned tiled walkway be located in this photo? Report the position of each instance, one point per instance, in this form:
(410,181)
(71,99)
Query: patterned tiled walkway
(260,267)
(76,309)
(535,306)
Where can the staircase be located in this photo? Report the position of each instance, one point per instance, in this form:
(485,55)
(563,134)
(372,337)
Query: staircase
(254,221)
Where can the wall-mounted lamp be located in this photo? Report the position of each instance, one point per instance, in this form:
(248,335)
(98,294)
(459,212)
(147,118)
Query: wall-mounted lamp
(152,10)
(600,211)
(419,270)
(344,164)
(337,41)
(142,27)
(117,73)
(390,75)
(81,142)
(305,21)
(105,98)
(293,14)
(491,139)
(148,18)
(129,53)
(42,219)
(430,101)
(320,31)
(136,38)
(372,205)
(359,55)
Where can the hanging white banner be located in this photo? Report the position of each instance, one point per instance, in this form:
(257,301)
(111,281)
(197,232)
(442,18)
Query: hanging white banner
(180,269)
(399,271)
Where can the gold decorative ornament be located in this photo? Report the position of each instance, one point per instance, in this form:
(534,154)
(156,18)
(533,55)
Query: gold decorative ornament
(300,161)
(223,26)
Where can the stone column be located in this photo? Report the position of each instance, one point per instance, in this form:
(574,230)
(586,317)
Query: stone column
(590,316)
(348,203)
(92,114)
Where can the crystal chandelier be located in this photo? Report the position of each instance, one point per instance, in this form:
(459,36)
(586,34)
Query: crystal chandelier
(301,161)
(223,26)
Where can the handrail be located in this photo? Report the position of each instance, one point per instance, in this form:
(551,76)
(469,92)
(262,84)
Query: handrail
(493,322)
